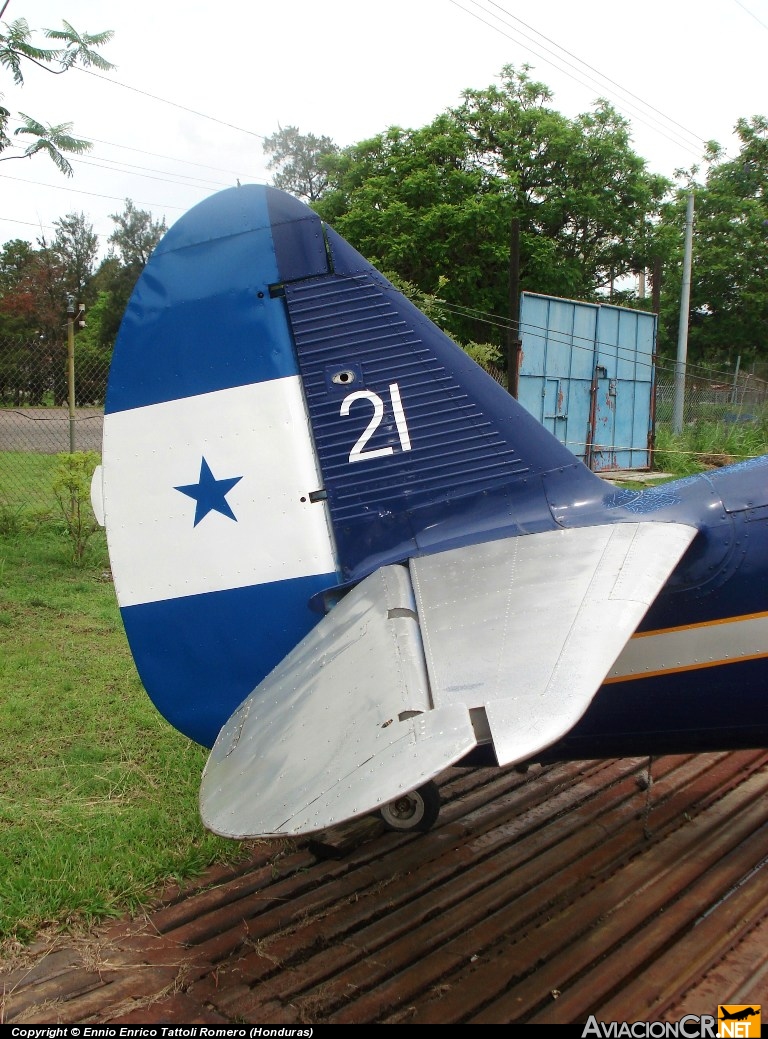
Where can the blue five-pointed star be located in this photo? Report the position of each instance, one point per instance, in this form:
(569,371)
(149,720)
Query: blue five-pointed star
(210,493)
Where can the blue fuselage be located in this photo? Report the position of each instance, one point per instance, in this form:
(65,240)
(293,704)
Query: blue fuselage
(695,673)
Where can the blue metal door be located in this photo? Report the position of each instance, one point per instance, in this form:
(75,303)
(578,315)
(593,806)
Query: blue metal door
(556,366)
(586,373)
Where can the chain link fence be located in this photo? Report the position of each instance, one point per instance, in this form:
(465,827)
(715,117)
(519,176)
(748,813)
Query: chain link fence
(37,424)
(36,421)
(743,398)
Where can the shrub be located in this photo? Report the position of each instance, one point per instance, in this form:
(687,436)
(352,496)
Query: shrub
(72,487)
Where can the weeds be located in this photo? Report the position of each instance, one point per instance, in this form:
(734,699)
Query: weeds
(72,489)
(707,445)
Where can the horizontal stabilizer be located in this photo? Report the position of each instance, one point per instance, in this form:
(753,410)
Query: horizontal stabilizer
(340,727)
(376,700)
(527,628)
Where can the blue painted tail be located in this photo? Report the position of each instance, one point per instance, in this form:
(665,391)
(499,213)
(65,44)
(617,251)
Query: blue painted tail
(419,447)
(281,421)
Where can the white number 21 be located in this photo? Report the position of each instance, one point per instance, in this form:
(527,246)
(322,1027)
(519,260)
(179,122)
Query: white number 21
(358,452)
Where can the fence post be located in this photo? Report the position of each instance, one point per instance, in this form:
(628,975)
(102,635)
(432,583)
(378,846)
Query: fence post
(71,369)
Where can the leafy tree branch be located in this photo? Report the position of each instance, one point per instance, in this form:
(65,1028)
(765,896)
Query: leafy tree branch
(17,47)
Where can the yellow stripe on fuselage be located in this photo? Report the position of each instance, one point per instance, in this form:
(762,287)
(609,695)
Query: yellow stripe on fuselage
(689,647)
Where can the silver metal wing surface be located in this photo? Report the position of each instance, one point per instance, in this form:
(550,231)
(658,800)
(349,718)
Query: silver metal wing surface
(343,725)
(506,641)
(524,630)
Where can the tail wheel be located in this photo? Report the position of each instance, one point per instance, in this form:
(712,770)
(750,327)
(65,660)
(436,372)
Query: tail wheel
(417,810)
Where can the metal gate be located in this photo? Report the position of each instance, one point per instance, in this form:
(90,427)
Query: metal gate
(586,372)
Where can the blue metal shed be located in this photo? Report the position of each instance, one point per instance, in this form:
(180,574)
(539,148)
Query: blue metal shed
(587,373)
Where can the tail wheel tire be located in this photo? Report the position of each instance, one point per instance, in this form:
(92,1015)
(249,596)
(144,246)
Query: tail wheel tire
(417,810)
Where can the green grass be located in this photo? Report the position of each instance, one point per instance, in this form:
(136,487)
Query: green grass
(98,794)
(26,486)
(705,445)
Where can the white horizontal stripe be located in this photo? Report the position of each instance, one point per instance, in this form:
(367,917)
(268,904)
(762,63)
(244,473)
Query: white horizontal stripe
(257,432)
(702,645)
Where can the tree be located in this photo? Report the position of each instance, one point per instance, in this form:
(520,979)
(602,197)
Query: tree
(438,204)
(603,210)
(15,258)
(576,186)
(135,235)
(31,320)
(303,161)
(16,48)
(75,246)
(729,285)
(414,204)
(30,288)
(131,244)
(93,353)
(34,284)
(16,306)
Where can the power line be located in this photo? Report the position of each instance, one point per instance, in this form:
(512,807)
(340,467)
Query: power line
(170,158)
(30,223)
(696,137)
(177,179)
(93,194)
(576,342)
(173,104)
(752,13)
(142,151)
(655,127)
(130,169)
(144,172)
(147,174)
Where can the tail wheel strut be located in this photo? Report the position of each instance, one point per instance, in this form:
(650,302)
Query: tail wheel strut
(417,810)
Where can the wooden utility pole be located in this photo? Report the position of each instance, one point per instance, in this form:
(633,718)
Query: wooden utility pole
(514,342)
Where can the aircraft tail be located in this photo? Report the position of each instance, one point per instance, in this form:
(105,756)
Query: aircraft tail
(418,446)
(281,421)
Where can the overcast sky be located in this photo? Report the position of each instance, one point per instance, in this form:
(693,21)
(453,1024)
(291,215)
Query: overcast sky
(682,71)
